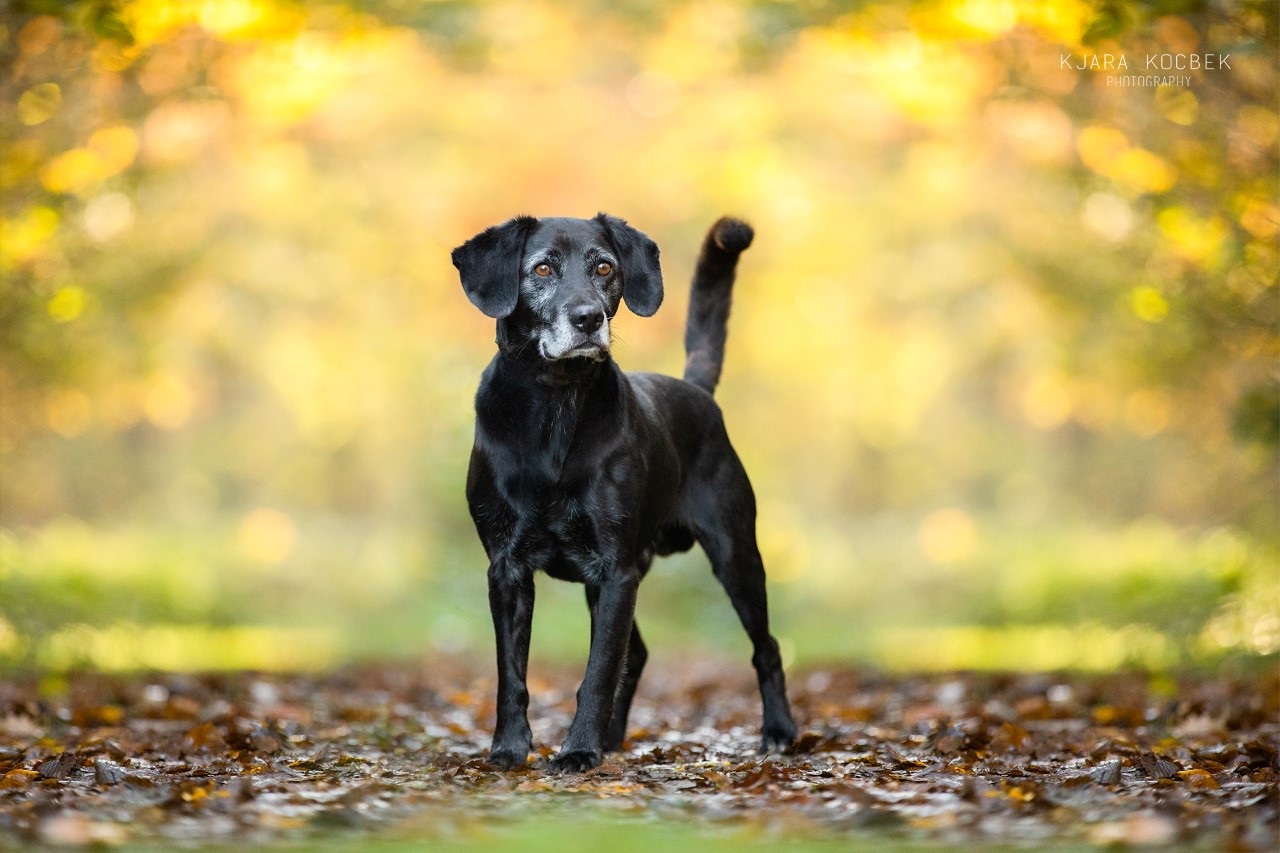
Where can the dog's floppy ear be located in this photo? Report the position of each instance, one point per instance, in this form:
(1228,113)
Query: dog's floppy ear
(489,265)
(638,260)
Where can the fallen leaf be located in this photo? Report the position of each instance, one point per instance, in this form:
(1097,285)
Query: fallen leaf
(100,715)
(206,737)
(946,740)
(1125,717)
(1198,779)
(806,742)
(18,778)
(1157,767)
(106,772)
(1107,773)
(59,767)
(1011,737)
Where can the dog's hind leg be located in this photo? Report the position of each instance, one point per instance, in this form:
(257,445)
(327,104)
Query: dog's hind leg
(727,533)
(738,567)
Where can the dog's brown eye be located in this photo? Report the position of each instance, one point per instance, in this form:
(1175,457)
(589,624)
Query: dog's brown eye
(542,270)
(603,268)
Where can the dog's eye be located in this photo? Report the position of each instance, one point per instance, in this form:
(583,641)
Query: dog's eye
(603,268)
(542,270)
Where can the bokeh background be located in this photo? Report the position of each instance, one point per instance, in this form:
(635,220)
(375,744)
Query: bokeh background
(1003,362)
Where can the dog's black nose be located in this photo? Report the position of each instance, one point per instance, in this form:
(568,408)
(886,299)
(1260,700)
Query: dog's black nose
(586,318)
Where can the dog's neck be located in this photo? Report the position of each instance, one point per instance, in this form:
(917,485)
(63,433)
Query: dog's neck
(561,391)
(566,374)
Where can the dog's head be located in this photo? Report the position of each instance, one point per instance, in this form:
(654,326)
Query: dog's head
(557,282)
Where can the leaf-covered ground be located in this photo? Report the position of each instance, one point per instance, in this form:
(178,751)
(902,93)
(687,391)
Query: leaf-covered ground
(398,752)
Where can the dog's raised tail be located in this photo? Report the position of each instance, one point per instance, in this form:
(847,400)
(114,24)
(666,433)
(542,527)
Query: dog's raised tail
(710,300)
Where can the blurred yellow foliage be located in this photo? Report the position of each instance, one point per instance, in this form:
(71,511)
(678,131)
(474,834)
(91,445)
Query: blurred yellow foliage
(1053,647)
(990,289)
(152,21)
(1179,106)
(1047,401)
(1149,304)
(127,646)
(948,536)
(1196,238)
(39,103)
(69,411)
(267,535)
(67,304)
(167,401)
(23,236)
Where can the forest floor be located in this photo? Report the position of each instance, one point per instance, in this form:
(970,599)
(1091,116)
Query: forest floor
(377,756)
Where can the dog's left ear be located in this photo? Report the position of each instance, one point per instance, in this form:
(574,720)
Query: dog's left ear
(638,259)
(489,265)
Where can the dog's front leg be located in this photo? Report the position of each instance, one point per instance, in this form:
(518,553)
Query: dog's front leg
(511,603)
(611,631)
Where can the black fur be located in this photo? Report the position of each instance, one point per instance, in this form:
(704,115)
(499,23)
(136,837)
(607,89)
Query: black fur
(587,473)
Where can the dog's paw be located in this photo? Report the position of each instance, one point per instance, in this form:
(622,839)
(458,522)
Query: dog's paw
(776,739)
(575,761)
(506,759)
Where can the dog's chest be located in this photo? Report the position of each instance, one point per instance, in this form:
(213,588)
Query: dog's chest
(558,529)
(547,485)
(561,515)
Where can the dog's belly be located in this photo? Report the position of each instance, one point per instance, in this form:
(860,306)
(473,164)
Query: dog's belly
(582,547)
(566,570)
(568,558)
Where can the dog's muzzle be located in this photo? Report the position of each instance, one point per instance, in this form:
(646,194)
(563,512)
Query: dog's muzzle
(590,349)
(582,331)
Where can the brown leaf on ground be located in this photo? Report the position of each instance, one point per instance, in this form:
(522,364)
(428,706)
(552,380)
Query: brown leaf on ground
(107,773)
(1107,773)
(59,767)
(1157,767)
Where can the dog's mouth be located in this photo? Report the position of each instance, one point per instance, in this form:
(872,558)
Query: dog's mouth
(559,341)
(593,350)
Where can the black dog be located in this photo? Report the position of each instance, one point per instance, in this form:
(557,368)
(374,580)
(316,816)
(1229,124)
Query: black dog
(586,472)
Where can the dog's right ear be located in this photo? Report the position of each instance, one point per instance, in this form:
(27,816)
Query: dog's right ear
(489,265)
